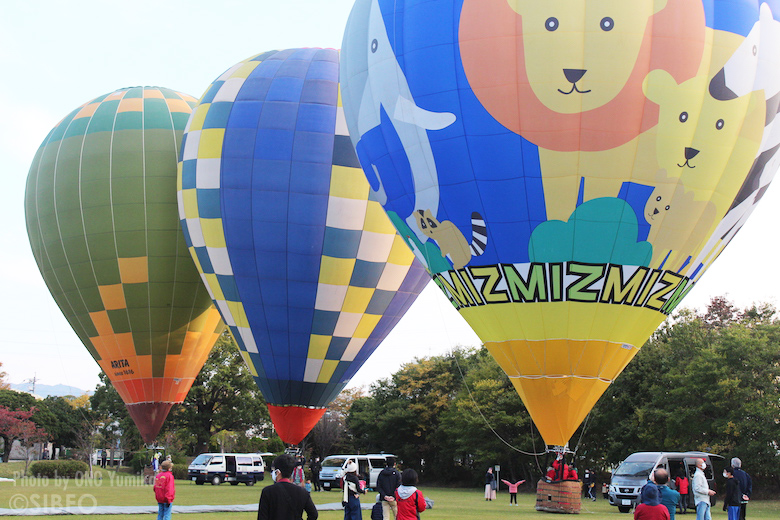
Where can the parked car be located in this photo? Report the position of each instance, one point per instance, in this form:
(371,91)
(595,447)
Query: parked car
(634,472)
(234,468)
(369,467)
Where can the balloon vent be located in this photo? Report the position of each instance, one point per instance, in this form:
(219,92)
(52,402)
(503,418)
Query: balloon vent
(293,423)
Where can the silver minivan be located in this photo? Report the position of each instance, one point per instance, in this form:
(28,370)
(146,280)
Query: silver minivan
(633,473)
(369,467)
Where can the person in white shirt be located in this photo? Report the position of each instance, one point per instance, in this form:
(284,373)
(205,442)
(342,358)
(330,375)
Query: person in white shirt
(701,492)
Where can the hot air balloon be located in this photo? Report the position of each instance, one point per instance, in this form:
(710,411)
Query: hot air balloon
(103,225)
(566,170)
(304,267)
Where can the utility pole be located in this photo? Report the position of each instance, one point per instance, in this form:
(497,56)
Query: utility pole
(32,382)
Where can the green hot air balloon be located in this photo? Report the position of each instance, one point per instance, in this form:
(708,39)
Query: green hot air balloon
(104,229)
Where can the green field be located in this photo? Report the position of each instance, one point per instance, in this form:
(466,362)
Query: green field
(125,490)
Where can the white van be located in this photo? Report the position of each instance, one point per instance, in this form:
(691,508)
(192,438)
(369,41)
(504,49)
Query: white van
(369,467)
(634,472)
(227,467)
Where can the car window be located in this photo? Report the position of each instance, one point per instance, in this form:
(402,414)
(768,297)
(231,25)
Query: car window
(216,460)
(335,462)
(634,469)
(258,462)
(377,463)
(202,459)
(244,461)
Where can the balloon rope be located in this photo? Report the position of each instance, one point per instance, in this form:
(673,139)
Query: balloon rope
(455,355)
(582,433)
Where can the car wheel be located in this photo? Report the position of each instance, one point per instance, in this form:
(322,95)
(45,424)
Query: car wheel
(216,481)
(250,483)
(199,482)
(624,509)
(234,483)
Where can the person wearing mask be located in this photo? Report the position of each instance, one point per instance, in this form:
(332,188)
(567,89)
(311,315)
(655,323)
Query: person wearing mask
(701,492)
(316,467)
(284,500)
(411,501)
(386,483)
(745,485)
(732,504)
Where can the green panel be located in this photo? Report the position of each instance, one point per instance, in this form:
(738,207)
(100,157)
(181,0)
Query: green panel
(163,243)
(92,299)
(161,269)
(184,294)
(162,187)
(139,317)
(133,92)
(180,319)
(137,298)
(69,222)
(130,244)
(129,216)
(176,341)
(119,320)
(142,341)
(59,130)
(180,120)
(129,121)
(63,278)
(97,221)
(185,267)
(77,127)
(96,157)
(55,255)
(128,191)
(103,118)
(158,361)
(156,114)
(73,305)
(107,271)
(163,217)
(101,247)
(162,164)
(161,295)
(96,193)
(76,249)
(127,164)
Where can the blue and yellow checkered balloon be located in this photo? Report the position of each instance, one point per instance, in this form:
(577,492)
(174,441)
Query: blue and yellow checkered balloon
(305,269)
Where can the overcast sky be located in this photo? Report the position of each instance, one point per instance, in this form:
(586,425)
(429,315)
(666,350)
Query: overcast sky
(57,55)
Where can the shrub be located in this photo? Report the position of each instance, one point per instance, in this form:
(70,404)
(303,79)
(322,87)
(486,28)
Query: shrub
(59,468)
(180,471)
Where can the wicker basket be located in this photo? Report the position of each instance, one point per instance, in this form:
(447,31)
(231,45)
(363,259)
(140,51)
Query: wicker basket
(559,497)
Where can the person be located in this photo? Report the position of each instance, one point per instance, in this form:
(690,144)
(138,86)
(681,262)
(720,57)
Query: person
(732,504)
(156,463)
(682,488)
(386,483)
(308,486)
(562,470)
(589,479)
(745,485)
(493,488)
(489,479)
(351,497)
(701,492)
(605,490)
(298,477)
(550,475)
(316,467)
(283,500)
(669,497)
(411,501)
(512,490)
(650,507)
(103,458)
(164,491)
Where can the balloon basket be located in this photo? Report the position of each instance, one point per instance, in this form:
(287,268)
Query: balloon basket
(559,497)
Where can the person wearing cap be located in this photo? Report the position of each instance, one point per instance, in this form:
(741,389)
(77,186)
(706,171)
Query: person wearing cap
(701,492)
(650,507)
(351,497)
(284,500)
(164,491)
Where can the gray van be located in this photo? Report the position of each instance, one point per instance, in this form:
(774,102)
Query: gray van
(633,473)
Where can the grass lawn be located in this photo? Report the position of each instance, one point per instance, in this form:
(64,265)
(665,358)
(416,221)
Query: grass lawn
(124,490)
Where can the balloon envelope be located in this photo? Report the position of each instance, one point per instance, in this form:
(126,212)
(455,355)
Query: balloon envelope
(565,170)
(305,269)
(103,226)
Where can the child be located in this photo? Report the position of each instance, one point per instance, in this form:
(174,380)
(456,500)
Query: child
(164,491)
(733,501)
(512,490)
(308,486)
(411,501)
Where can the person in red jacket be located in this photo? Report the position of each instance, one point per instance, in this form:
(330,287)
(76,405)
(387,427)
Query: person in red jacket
(682,488)
(410,500)
(164,491)
(651,507)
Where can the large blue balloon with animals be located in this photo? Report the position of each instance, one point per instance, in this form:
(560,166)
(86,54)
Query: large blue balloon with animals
(566,170)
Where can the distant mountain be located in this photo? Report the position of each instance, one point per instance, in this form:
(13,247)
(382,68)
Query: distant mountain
(49,390)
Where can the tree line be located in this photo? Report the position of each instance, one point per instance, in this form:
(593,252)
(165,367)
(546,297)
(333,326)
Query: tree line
(706,381)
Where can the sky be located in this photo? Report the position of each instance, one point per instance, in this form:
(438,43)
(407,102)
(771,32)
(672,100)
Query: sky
(57,55)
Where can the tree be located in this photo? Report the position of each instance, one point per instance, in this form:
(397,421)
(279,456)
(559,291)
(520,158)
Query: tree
(223,397)
(18,425)
(4,384)
(330,434)
(112,418)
